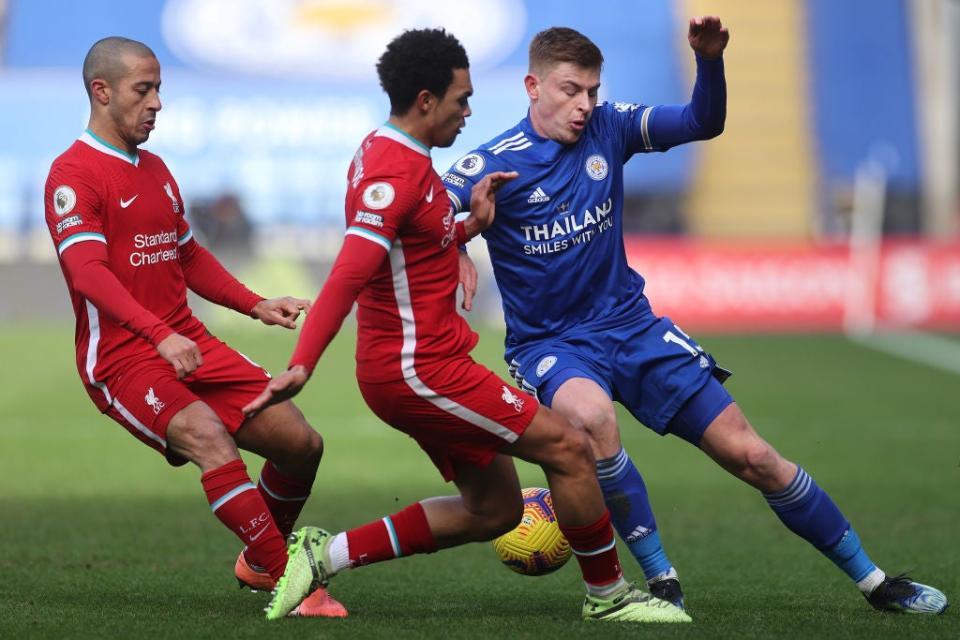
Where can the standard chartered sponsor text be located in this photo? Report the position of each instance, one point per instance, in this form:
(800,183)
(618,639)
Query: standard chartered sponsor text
(149,240)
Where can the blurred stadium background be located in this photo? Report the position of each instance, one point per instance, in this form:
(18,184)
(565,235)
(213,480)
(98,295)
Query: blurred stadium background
(842,115)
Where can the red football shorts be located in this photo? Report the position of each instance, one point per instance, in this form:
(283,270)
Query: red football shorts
(147,394)
(456,411)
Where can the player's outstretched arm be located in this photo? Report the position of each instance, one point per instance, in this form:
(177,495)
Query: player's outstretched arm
(708,37)
(356,263)
(704,116)
(483,202)
(280,311)
(208,278)
(281,388)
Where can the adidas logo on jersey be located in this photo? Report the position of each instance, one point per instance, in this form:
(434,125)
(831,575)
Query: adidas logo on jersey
(538,196)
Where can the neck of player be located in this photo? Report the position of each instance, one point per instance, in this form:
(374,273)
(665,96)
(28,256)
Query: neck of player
(414,127)
(111,136)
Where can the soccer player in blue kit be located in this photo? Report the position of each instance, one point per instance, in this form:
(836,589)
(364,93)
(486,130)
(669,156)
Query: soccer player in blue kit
(581,333)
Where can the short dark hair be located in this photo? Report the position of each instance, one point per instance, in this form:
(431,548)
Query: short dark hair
(104,60)
(562,44)
(419,59)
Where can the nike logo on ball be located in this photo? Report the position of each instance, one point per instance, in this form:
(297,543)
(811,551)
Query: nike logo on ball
(126,203)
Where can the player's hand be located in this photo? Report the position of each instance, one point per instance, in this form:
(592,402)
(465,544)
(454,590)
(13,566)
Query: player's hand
(707,36)
(279,389)
(282,311)
(468,280)
(183,353)
(483,201)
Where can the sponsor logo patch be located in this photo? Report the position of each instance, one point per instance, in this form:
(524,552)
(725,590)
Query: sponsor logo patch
(365,217)
(64,200)
(597,167)
(378,195)
(454,179)
(470,164)
(66,223)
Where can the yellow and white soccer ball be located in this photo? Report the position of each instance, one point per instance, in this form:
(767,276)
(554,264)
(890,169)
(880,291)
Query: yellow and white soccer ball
(536,546)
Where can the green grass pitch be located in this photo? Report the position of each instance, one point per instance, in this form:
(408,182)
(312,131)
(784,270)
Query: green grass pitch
(100,538)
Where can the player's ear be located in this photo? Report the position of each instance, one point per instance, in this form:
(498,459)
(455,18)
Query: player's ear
(532,84)
(100,91)
(426,101)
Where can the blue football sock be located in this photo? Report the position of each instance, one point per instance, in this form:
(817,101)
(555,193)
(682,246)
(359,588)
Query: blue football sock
(808,511)
(626,497)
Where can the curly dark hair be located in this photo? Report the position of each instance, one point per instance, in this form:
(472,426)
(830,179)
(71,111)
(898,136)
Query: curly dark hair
(419,59)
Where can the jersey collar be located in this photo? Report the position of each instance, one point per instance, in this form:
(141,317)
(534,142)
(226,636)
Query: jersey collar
(90,138)
(404,138)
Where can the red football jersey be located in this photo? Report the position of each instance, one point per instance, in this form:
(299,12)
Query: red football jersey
(407,314)
(131,203)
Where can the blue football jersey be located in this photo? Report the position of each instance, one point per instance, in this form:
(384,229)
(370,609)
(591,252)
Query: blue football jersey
(557,240)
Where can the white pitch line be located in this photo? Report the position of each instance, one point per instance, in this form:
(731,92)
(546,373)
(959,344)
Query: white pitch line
(923,348)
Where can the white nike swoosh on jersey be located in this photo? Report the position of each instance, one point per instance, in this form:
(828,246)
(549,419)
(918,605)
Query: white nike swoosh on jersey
(430,194)
(259,533)
(126,203)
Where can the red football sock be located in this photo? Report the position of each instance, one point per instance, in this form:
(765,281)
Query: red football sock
(284,496)
(403,534)
(237,503)
(596,551)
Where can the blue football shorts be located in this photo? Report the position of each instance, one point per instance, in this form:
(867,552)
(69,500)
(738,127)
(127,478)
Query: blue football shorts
(646,363)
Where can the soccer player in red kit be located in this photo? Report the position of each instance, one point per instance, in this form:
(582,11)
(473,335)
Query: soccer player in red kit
(117,221)
(399,260)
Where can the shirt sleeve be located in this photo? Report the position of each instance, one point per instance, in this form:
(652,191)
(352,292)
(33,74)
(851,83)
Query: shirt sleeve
(658,128)
(208,278)
(87,268)
(376,211)
(379,207)
(463,175)
(73,205)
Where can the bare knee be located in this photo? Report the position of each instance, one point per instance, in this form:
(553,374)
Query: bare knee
(759,459)
(505,519)
(587,406)
(310,449)
(313,448)
(570,452)
(490,524)
(197,434)
(282,435)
